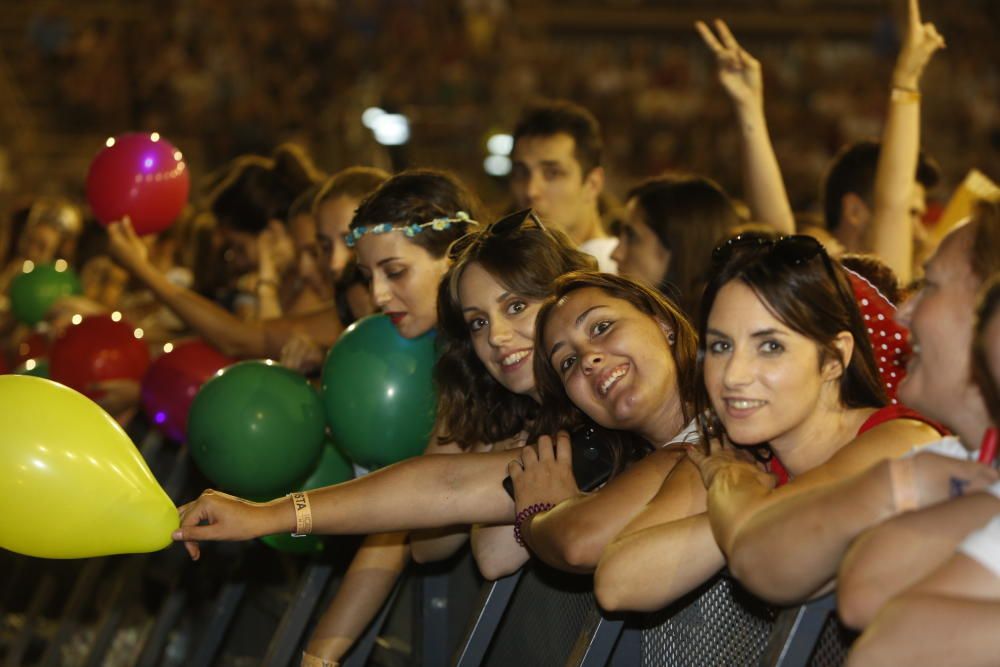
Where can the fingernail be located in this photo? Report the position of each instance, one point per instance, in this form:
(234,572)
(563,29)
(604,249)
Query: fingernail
(177,535)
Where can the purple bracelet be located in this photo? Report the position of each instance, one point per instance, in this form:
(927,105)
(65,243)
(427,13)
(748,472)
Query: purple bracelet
(525,514)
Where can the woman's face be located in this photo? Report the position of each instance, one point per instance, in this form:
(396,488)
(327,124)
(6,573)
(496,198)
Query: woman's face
(639,254)
(991,344)
(403,279)
(764,379)
(615,363)
(501,327)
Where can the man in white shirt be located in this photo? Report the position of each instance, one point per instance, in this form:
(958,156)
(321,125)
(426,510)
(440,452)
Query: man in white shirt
(557,172)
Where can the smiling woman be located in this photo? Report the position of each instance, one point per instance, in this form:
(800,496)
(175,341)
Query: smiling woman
(787,363)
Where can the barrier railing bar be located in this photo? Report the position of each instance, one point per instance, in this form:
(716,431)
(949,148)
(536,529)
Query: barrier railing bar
(494,599)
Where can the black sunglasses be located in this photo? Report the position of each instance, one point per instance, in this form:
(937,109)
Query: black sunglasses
(792,250)
(502,227)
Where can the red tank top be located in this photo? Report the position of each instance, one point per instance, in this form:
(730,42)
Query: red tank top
(880,416)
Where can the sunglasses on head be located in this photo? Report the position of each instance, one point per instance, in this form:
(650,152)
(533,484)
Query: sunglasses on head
(794,250)
(502,227)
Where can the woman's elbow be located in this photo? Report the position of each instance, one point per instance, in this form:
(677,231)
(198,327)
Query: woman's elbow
(760,575)
(857,598)
(491,568)
(611,587)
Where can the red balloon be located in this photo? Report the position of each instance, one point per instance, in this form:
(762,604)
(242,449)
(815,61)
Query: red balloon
(99,348)
(139,175)
(172,382)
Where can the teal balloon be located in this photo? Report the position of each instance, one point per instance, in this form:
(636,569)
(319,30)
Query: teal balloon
(38,369)
(34,292)
(256,429)
(333,468)
(378,392)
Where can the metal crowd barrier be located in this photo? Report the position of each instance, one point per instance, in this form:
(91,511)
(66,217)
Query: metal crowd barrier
(245,605)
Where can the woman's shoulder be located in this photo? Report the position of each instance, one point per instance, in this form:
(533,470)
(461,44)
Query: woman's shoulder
(889,438)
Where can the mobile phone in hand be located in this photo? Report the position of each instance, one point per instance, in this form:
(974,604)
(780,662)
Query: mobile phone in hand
(593,457)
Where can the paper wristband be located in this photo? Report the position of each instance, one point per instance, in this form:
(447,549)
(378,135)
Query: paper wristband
(303,514)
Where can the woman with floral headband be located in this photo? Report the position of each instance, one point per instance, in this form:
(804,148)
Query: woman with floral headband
(400,234)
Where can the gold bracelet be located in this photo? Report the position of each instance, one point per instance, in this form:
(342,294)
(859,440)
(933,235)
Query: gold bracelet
(313,661)
(904,95)
(303,514)
(902,477)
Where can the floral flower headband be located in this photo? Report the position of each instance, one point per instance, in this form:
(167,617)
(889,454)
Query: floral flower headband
(437,224)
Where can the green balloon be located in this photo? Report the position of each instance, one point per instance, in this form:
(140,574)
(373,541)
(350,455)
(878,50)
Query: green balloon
(378,392)
(333,468)
(39,369)
(256,429)
(302,546)
(34,292)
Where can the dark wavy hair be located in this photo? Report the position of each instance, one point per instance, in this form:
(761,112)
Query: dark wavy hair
(557,411)
(472,406)
(417,196)
(813,297)
(256,189)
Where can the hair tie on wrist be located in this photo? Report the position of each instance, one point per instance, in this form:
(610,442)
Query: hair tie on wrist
(525,515)
(303,514)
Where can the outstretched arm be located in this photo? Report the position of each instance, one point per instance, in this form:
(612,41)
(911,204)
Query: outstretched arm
(786,545)
(890,234)
(888,559)
(740,75)
(215,324)
(429,491)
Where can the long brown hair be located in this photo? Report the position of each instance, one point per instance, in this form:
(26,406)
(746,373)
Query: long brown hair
(472,406)
(810,294)
(557,411)
(690,215)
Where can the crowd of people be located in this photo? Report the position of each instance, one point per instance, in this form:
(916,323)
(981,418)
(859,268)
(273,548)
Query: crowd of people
(227,78)
(808,403)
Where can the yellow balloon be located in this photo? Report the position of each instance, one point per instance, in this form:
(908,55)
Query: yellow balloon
(72,484)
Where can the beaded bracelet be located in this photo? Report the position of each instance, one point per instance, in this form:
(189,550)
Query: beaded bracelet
(525,515)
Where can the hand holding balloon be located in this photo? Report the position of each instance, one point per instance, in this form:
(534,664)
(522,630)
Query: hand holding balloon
(72,484)
(126,247)
(228,518)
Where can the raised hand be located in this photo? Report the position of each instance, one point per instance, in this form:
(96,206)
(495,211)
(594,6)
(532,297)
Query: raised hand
(921,41)
(301,353)
(739,72)
(126,247)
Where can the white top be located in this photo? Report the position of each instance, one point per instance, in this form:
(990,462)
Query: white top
(688,435)
(601,249)
(983,545)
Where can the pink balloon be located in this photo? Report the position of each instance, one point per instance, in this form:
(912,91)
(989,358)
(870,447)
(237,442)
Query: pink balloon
(141,176)
(172,382)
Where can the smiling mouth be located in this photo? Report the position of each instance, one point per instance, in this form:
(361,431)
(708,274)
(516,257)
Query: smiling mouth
(611,379)
(744,403)
(514,360)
